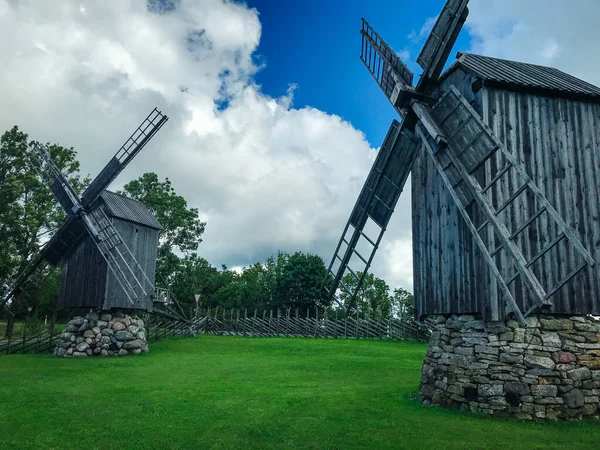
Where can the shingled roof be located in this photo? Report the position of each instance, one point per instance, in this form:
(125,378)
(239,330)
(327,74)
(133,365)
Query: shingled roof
(519,76)
(126,208)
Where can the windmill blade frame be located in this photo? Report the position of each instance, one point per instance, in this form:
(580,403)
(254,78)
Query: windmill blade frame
(376,202)
(441,39)
(132,146)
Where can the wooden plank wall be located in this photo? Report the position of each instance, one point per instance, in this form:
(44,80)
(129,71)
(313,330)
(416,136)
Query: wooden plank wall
(143,243)
(444,254)
(83,277)
(558,141)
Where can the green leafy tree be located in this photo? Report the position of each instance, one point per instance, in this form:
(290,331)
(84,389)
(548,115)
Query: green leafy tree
(372,298)
(299,281)
(28,212)
(403,303)
(182,228)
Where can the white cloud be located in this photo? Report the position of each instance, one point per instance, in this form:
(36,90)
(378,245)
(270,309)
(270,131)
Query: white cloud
(264,175)
(548,32)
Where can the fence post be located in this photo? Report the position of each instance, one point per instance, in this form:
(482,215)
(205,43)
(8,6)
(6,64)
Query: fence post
(52,325)
(345,325)
(325,321)
(307,315)
(357,323)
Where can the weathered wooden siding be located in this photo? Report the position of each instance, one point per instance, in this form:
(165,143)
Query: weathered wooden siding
(557,141)
(143,242)
(83,277)
(444,255)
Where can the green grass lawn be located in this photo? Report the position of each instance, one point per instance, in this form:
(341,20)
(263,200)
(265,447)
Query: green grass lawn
(234,392)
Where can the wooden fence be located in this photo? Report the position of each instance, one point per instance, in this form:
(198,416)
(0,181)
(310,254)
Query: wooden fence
(312,323)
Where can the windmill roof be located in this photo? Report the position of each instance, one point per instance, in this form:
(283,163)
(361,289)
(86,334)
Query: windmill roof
(129,209)
(519,76)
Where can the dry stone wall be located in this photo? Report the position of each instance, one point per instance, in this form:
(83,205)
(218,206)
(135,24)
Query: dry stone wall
(549,369)
(107,334)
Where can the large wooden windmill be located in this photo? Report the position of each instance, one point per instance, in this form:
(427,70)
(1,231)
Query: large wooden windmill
(504,157)
(101,238)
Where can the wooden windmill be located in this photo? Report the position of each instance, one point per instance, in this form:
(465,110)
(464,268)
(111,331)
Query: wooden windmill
(504,157)
(101,238)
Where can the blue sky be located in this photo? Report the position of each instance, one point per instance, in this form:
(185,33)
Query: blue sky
(316,45)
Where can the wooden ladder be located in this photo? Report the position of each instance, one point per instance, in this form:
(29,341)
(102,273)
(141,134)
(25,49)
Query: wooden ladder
(471,144)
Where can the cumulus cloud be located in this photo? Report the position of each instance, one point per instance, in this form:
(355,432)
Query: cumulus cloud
(264,174)
(548,32)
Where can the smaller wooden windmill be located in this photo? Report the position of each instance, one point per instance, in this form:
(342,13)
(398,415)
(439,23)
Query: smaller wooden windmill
(489,142)
(107,243)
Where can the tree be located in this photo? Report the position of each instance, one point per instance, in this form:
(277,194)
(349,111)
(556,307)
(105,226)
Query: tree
(182,228)
(28,212)
(372,298)
(403,303)
(300,280)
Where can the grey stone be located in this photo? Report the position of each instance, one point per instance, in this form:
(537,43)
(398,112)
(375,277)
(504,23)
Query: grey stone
(136,351)
(582,373)
(474,324)
(586,327)
(556,324)
(77,321)
(141,335)
(96,330)
(517,387)
(544,390)
(551,339)
(124,336)
(106,317)
(88,334)
(104,352)
(107,332)
(123,352)
(84,326)
(89,341)
(89,352)
(563,357)
(129,345)
(79,354)
(133,329)
(487,390)
(71,328)
(118,326)
(511,358)
(105,340)
(82,346)
(486,350)
(574,398)
(538,361)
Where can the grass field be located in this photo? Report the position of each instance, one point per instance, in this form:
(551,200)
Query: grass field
(228,392)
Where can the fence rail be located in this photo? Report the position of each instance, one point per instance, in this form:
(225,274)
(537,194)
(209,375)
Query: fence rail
(290,323)
(313,323)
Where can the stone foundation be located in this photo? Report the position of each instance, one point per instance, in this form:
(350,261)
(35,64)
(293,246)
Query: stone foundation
(115,334)
(549,369)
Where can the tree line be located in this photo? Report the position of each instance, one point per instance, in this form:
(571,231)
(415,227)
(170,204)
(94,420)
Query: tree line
(29,215)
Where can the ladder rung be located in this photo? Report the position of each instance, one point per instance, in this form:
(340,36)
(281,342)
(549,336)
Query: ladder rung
(460,127)
(529,222)
(496,250)
(497,177)
(546,249)
(565,280)
(483,225)
(485,158)
(338,257)
(360,256)
(367,238)
(353,273)
(511,199)
(382,202)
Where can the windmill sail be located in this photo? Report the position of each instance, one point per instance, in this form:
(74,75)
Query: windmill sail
(392,75)
(376,202)
(472,146)
(58,184)
(132,146)
(435,52)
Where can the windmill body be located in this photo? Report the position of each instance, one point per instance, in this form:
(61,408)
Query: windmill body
(503,158)
(550,122)
(87,281)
